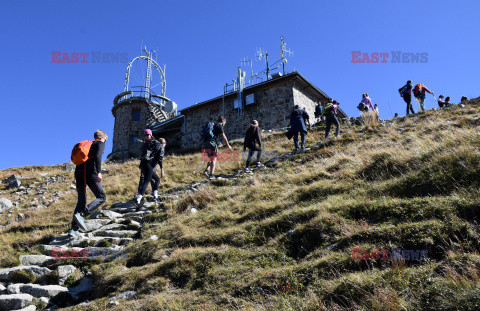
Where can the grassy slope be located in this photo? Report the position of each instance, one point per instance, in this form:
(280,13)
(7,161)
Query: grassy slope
(260,242)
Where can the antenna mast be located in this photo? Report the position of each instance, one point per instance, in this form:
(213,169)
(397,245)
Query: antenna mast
(283,55)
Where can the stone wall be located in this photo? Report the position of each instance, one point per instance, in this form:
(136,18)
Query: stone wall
(305,99)
(272,109)
(125,127)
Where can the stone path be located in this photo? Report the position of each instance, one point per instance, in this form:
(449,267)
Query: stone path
(42,279)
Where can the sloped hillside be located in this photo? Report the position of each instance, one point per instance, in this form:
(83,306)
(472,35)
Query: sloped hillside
(383,218)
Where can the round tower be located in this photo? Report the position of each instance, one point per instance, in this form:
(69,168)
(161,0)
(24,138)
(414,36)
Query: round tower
(140,106)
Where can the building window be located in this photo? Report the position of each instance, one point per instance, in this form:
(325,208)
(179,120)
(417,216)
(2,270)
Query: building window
(133,139)
(136,115)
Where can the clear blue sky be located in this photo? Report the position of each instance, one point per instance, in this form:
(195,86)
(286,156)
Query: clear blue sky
(48,107)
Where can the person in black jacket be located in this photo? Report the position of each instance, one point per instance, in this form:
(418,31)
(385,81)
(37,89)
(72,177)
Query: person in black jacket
(89,174)
(153,152)
(252,137)
(297,125)
(406,92)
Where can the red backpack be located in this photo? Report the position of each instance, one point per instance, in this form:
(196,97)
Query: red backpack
(80,152)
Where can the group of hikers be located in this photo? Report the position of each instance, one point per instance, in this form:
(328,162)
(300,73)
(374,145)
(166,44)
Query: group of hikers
(87,155)
(419,93)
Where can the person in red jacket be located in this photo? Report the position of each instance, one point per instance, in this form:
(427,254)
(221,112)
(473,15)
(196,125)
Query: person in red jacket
(419,93)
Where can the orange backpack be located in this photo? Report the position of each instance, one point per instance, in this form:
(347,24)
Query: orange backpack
(80,152)
(417,88)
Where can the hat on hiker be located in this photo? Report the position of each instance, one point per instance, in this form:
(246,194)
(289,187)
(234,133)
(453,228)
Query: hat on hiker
(147,132)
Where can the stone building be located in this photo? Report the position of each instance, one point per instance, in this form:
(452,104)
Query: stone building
(270,102)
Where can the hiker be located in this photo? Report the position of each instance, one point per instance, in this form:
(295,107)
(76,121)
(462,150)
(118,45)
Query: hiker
(210,133)
(318,112)
(306,118)
(252,137)
(419,93)
(89,174)
(441,102)
(375,110)
(330,114)
(464,98)
(297,125)
(406,92)
(447,102)
(367,101)
(153,152)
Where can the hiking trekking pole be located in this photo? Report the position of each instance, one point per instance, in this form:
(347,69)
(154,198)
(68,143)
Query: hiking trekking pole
(199,168)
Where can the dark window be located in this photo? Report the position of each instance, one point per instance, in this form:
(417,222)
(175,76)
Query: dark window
(133,139)
(136,115)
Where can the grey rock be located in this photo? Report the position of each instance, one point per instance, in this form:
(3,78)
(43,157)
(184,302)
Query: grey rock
(64,272)
(35,260)
(125,295)
(5,204)
(116,234)
(85,285)
(8,180)
(14,184)
(5,274)
(29,308)
(36,290)
(113,227)
(112,303)
(69,166)
(3,289)
(94,224)
(44,300)
(14,302)
(106,213)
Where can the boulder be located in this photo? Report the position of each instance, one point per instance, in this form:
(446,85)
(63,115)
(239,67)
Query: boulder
(69,166)
(8,180)
(3,289)
(5,274)
(64,272)
(29,308)
(14,302)
(5,204)
(36,290)
(125,295)
(35,260)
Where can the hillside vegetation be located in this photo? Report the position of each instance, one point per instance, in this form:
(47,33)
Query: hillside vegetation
(282,239)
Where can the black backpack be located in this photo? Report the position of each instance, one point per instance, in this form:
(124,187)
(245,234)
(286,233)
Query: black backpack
(207,131)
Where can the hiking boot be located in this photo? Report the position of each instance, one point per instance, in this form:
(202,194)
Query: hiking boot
(259,164)
(206,173)
(247,170)
(211,177)
(80,221)
(75,234)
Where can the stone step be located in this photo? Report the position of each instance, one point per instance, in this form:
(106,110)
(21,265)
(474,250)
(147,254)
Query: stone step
(94,224)
(116,234)
(94,240)
(15,302)
(106,214)
(35,260)
(36,290)
(78,253)
(112,227)
(5,274)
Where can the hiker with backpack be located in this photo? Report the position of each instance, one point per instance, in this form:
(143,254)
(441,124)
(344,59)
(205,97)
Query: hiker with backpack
(252,138)
(87,156)
(318,112)
(152,154)
(297,125)
(330,114)
(210,133)
(419,93)
(406,92)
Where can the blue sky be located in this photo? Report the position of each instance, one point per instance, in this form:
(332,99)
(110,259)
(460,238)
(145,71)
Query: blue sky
(48,107)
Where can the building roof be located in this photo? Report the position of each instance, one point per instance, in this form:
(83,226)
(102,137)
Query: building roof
(263,84)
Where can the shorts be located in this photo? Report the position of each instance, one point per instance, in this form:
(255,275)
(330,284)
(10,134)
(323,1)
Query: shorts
(210,150)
